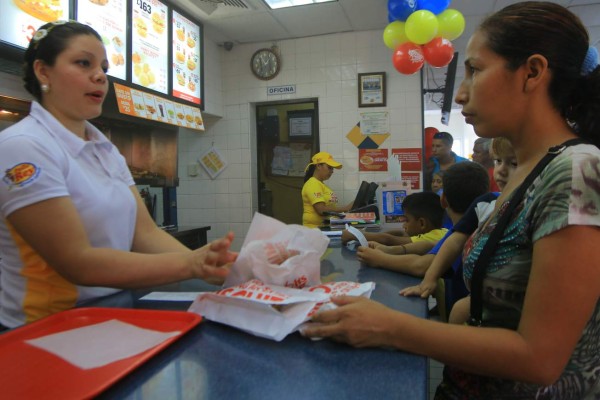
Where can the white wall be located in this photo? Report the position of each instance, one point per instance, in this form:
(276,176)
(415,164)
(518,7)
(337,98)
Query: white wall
(322,67)
(463,134)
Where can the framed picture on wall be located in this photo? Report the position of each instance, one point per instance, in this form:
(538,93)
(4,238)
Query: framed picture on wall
(300,124)
(371,89)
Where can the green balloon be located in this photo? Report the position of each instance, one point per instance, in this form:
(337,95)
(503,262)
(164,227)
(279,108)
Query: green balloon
(451,24)
(394,34)
(421,26)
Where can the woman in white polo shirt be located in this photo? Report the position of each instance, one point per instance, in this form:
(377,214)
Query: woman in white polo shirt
(73,226)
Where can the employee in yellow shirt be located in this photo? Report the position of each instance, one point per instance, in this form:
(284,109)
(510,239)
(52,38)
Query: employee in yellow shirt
(317,198)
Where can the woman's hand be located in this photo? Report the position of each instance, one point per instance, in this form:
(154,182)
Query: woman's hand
(357,321)
(212,261)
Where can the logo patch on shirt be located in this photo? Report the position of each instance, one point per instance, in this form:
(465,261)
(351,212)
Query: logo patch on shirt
(21,175)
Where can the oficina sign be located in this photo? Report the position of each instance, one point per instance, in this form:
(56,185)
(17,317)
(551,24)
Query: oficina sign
(286,89)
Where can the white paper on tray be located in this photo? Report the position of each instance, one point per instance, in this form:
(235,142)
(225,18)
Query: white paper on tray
(280,254)
(100,344)
(271,311)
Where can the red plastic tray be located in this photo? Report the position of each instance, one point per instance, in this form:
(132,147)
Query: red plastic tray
(27,372)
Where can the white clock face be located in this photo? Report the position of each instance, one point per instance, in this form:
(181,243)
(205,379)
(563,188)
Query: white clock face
(265,64)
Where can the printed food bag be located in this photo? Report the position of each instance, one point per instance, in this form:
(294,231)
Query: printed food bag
(271,311)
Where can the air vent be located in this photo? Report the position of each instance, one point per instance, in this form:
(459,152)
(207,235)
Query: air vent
(231,3)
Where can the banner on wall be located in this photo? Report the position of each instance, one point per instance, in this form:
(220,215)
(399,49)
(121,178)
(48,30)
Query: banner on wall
(410,159)
(414,178)
(372,160)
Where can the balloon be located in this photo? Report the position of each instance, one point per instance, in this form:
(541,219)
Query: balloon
(451,24)
(390,18)
(429,132)
(421,27)
(401,9)
(393,34)
(439,52)
(408,58)
(435,6)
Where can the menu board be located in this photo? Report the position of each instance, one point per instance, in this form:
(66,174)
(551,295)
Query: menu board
(148,106)
(149,42)
(186,59)
(19,19)
(109,19)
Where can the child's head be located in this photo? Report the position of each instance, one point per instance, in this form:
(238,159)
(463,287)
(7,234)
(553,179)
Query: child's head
(423,213)
(436,181)
(505,160)
(463,183)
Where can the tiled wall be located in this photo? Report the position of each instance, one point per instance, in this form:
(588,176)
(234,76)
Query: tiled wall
(322,67)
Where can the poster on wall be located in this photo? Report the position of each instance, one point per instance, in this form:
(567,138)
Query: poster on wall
(372,160)
(19,19)
(410,159)
(109,19)
(149,44)
(213,162)
(186,59)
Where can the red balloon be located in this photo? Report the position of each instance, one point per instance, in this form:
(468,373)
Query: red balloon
(408,58)
(438,52)
(429,132)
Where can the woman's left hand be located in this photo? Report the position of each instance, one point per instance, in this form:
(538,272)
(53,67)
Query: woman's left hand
(358,321)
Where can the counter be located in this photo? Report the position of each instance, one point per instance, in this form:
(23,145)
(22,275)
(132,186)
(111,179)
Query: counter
(214,361)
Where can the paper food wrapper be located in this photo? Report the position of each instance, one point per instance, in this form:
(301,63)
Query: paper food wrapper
(271,311)
(279,254)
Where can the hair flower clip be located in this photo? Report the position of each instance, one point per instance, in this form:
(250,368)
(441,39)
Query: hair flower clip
(39,35)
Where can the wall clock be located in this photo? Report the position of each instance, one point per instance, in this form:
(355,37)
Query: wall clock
(265,64)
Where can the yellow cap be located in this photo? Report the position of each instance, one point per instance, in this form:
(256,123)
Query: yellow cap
(323,157)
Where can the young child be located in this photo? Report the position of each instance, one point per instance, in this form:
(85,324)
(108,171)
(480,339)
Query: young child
(505,163)
(464,182)
(437,184)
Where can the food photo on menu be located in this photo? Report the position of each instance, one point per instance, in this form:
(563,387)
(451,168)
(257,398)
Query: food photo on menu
(149,37)
(109,19)
(19,19)
(186,59)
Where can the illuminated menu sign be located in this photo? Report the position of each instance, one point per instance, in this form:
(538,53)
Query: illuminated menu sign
(109,19)
(19,19)
(186,59)
(137,103)
(149,42)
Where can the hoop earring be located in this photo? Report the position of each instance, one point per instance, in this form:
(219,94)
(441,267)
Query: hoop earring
(44,88)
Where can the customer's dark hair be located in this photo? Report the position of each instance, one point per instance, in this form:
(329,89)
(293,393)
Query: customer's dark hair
(50,40)
(425,205)
(463,183)
(535,27)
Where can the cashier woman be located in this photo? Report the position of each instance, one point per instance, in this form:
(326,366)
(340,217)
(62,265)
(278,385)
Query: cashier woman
(73,226)
(317,198)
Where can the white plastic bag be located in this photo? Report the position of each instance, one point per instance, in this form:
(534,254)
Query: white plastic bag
(279,254)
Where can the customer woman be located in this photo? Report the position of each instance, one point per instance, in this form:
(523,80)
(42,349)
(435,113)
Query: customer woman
(317,198)
(73,227)
(531,76)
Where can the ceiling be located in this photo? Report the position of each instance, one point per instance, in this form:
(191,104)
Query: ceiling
(251,21)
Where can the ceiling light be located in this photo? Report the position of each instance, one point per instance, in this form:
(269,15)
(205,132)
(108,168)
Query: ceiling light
(275,4)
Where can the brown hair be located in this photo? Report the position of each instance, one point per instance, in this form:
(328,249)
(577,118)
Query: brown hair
(502,147)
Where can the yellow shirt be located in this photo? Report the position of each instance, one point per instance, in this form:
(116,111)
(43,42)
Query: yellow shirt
(433,235)
(314,191)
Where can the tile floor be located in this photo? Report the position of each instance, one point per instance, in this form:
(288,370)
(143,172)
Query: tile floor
(435,368)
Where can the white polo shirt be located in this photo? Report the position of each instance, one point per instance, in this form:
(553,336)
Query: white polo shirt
(39,160)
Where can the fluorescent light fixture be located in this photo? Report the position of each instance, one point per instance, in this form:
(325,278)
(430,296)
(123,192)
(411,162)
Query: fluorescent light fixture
(275,4)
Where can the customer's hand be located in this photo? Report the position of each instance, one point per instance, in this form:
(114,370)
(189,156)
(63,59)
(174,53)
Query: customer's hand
(371,257)
(424,289)
(357,321)
(347,236)
(213,261)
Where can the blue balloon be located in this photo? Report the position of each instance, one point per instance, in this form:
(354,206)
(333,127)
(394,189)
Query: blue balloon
(435,6)
(390,18)
(400,9)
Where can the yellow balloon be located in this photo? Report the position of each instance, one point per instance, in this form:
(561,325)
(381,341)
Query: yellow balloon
(394,34)
(421,26)
(451,24)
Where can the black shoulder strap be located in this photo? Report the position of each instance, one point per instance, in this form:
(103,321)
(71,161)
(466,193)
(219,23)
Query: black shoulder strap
(490,246)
